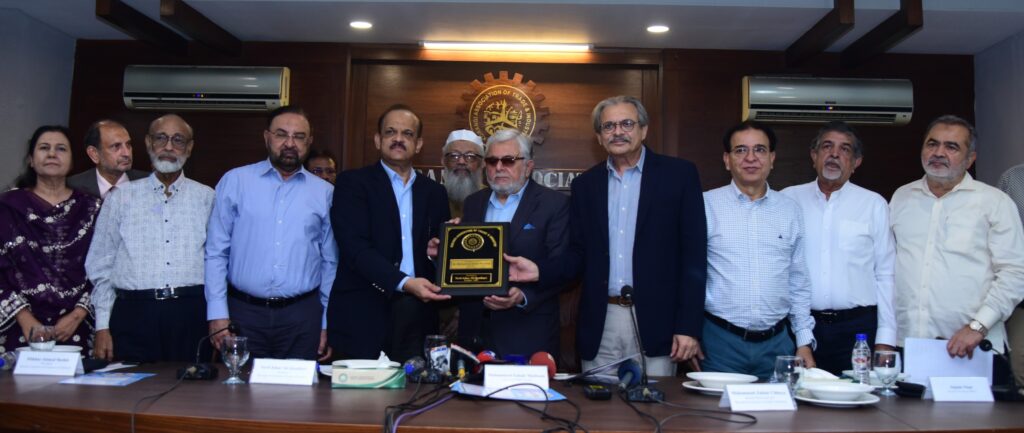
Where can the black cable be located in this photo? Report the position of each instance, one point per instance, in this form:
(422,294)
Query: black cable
(625,397)
(415,402)
(720,415)
(565,424)
(154,397)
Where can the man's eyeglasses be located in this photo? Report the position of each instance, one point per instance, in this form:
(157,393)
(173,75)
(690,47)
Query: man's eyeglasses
(177,140)
(322,170)
(627,126)
(298,138)
(469,157)
(505,160)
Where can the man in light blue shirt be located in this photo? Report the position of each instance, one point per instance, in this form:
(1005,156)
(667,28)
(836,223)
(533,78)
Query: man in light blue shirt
(757,274)
(270,251)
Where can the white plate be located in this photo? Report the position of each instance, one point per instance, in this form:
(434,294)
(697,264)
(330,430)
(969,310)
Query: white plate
(694,385)
(57,348)
(864,400)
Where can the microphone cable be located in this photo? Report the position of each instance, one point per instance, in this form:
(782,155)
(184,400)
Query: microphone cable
(624,395)
(565,424)
(720,415)
(415,405)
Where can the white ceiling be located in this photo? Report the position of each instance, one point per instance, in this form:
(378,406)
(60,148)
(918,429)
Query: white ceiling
(950,26)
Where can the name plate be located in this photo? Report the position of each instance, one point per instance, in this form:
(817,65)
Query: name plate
(48,363)
(757,397)
(498,376)
(283,371)
(964,389)
(471,259)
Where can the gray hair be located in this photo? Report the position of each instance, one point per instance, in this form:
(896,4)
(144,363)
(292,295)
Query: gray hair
(842,128)
(524,141)
(949,119)
(641,112)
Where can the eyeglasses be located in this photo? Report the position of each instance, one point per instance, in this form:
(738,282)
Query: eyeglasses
(322,170)
(469,157)
(627,126)
(177,140)
(507,160)
(760,151)
(298,138)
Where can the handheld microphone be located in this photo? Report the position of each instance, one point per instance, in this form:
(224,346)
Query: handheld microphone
(545,359)
(629,374)
(644,392)
(1011,391)
(205,370)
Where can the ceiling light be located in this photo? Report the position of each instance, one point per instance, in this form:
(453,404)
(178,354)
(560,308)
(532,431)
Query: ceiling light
(657,29)
(361,25)
(505,46)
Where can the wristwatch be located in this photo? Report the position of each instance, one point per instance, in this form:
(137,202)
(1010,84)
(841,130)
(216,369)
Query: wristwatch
(977,326)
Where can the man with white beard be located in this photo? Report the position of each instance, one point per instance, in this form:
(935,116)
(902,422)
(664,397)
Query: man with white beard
(462,156)
(849,251)
(146,257)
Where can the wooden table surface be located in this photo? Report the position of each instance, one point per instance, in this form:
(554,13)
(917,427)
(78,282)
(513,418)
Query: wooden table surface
(39,403)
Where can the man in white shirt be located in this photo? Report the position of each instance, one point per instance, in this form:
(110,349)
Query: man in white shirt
(850,252)
(146,257)
(959,247)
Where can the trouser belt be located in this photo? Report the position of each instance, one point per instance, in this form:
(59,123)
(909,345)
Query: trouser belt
(746,334)
(161,294)
(275,302)
(835,316)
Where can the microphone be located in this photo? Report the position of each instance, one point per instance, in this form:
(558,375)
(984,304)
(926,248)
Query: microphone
(644,392)
(629,374)
(1010,391)
(204,370)
(545,359)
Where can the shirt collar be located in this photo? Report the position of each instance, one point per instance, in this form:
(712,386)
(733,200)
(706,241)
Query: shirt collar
(105,186)
(821,196)
(395,177)
(639,163)
(157,185)
(743,197)
(265,167)
(517,196)
(967,184)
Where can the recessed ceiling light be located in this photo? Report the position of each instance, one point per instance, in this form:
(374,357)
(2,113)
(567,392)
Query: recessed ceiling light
(361,25)
(657,29)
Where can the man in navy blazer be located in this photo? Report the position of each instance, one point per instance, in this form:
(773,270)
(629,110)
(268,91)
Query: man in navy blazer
(527,320)
(636,220)
(384,215)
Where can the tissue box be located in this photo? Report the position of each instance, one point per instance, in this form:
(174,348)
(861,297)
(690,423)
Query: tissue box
(349,374)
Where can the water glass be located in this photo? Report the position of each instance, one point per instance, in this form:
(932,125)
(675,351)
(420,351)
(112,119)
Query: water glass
(788,370)
(886,364)
(42,338)
(435,347)
(235,351)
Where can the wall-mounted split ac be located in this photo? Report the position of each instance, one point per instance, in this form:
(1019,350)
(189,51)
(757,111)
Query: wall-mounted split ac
(205,88)
(819,100)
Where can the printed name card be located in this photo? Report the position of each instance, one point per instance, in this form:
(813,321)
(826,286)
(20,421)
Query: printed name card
(500,376)
(283,371)
(964,389)
(757,397)
(49,363)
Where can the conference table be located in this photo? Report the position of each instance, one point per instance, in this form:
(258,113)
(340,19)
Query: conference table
(41,404)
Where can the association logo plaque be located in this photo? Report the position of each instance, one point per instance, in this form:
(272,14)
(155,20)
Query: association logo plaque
(471,260)
(505,103)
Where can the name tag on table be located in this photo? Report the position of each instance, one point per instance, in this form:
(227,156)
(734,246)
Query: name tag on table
(757,397)
(966,389)
(500,376)
(283,371)
(49,363)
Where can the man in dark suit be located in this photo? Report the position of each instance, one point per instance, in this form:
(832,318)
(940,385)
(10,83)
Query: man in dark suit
(383,216)
(109,147)
(636,220)
(525,321)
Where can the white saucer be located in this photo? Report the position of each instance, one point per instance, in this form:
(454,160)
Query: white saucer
(57,348)
(864,400)
(694,385)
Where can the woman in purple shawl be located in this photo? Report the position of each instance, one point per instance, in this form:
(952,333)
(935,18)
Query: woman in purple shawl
(45,230)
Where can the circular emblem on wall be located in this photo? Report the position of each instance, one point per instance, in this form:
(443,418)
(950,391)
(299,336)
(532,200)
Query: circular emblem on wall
(472,242)
(505,103)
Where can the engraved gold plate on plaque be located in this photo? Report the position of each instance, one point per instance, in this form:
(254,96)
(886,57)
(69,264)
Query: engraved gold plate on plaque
(471,259)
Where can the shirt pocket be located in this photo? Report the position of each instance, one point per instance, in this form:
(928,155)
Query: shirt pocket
(854,236)
(962,234)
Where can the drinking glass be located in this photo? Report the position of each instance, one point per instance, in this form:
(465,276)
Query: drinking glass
(435,347)
(42,338)
(788,370)
(886,364)
(235,351)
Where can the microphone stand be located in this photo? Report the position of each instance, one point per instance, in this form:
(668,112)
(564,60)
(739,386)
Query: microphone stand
(642,392)
(1011,391)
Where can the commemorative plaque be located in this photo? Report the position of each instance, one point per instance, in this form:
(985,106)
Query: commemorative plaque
(471,259)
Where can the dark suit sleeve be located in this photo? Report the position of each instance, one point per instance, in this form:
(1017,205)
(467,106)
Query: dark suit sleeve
(563,268)
(556,241)
(351,220)
(693,242)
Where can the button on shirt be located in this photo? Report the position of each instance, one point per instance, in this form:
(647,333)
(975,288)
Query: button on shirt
(269,237)
(403,197)
(850,251)
(147,240)
(623,205)
(498,212)
(958,258)
(757,274)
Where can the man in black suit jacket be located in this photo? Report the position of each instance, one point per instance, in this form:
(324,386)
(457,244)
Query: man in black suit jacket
(109,147)
(383,216)
(654,241)
(525,321)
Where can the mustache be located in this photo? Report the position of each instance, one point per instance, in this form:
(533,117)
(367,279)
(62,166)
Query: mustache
(621,139)
(832,161)
(939,160)
(398,144)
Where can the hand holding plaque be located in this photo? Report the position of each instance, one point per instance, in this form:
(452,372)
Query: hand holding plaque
(472,262)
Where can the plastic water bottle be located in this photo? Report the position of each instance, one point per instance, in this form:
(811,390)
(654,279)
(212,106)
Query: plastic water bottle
(861,360)
(7,360)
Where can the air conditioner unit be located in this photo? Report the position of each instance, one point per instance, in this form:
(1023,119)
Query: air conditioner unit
(819,100)
(205,88)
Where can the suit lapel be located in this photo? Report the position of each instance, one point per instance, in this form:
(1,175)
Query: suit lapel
(647,185)
(600,212)
(526,206)
(383,187)
(419,211)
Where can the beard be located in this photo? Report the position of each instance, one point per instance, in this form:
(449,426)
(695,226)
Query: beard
(167,166)
(947,173)
(510,188)
(460,186)
(831,173)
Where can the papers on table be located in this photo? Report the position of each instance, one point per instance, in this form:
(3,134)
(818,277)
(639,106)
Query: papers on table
(102,378)
(926,358)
